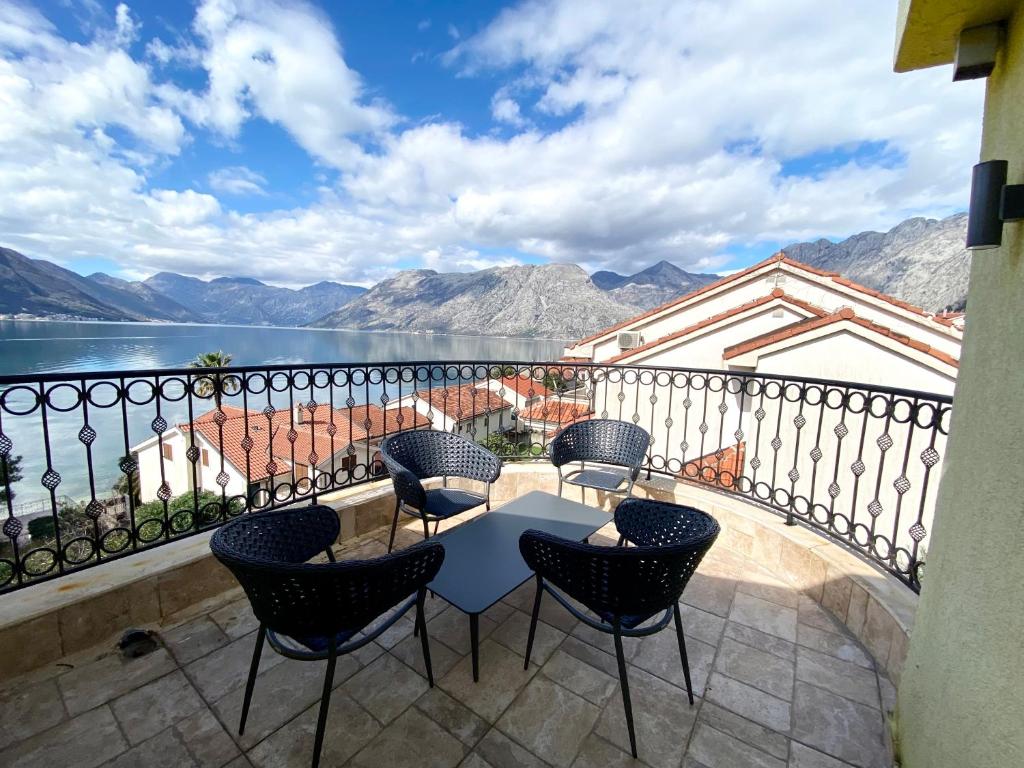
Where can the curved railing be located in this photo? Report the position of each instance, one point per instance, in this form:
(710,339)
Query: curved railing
(120,461)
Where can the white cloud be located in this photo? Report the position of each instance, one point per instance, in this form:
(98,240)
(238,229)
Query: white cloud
(674,123)
(237,180)
(283,63)
(505,109)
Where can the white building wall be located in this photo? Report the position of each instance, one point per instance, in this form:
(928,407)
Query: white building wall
(844,356)
(821,292)
(655,327)
(176,471)
(703,349)
(206,476)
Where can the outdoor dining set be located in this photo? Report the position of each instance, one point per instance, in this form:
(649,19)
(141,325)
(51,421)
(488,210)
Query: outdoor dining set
(320,611)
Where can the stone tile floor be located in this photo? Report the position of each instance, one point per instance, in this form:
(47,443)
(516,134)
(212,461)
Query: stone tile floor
(779,684)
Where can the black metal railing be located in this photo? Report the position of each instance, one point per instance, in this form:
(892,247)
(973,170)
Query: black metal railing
(116,462)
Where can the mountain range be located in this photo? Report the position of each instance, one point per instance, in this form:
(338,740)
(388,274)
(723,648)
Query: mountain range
(922,261)
(42,288)
(245,301)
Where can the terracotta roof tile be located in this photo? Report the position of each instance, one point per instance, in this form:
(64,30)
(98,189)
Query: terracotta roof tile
(562,412)
(312,439)
(463,401)
(525,387)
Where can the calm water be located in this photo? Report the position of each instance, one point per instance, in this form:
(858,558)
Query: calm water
(45,347)
(37,347)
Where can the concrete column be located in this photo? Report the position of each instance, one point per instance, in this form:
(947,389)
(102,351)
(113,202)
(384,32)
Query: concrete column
(961,698)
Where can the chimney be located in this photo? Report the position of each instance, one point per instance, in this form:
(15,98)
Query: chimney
(297,414)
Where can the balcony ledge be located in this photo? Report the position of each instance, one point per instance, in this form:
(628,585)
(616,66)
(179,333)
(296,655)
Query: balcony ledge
(170,583)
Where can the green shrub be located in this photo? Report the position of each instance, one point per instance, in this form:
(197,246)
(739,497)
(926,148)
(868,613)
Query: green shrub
(42,528)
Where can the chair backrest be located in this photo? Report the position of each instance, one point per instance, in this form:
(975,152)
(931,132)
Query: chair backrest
(303,599)
(607,441)
(650,523)
(420,454)
(622,581)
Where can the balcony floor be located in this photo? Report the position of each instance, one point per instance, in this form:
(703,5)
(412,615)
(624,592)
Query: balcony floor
(779,683)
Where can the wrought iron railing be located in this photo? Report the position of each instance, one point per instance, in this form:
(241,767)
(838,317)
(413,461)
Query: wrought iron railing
(185,449)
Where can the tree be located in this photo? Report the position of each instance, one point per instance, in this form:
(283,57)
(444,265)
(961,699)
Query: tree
(215,385)
(41,528)
(122,486)
(554,381)
(500,445)
(10,473)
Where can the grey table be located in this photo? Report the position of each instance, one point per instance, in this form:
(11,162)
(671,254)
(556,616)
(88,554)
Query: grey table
(482,563)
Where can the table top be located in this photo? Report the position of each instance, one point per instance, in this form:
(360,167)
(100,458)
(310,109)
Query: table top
(482,563)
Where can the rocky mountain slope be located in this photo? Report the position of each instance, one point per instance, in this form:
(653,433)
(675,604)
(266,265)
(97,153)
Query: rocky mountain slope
(553,300)
(246,301)
(922,261)
(38,287)
(140,298)
(652,286)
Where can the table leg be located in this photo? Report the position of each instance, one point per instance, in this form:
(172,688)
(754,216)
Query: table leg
(474,641)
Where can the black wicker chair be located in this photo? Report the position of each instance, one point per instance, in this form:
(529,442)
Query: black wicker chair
(605,442)
(316,611)
(625,587)
(421,454)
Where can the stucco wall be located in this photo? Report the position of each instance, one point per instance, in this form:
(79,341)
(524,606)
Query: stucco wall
(961,700)
(842,356)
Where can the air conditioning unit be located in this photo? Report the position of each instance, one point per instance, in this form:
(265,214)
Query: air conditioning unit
(630,339)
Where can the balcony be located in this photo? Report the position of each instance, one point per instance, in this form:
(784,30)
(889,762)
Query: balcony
(798,618)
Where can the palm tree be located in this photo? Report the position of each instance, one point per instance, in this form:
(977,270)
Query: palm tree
(214,384)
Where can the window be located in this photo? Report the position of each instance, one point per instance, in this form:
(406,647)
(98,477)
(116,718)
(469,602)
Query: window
(206,458)
(168,453)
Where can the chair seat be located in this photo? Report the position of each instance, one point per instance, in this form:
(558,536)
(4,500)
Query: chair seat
(316,643)
(443,503)
(601,479)
(627,622)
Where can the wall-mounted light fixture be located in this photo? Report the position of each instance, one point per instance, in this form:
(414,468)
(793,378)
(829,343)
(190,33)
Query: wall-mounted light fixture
(993,202)
(976,51)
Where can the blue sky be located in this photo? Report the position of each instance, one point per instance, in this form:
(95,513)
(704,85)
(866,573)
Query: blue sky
(294,142)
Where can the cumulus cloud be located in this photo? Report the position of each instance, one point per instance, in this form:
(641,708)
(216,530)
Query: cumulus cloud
(237,180)
(666,129)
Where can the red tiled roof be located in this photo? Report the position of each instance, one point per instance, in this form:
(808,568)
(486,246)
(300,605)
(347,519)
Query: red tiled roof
(843,315)
(312,439)
(376,421)
(558,411)
(525,387)
(233,434)
(779,257)
(463,401)
(777,293)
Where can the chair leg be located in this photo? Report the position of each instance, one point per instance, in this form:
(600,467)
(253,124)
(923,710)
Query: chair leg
(325,705)
(437,524)
(394,527)
(421,628)
(533,622)
(622,541)
(426,528)
(251,682)
(330,555)
(624,682)
(559,485)
(682,653)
